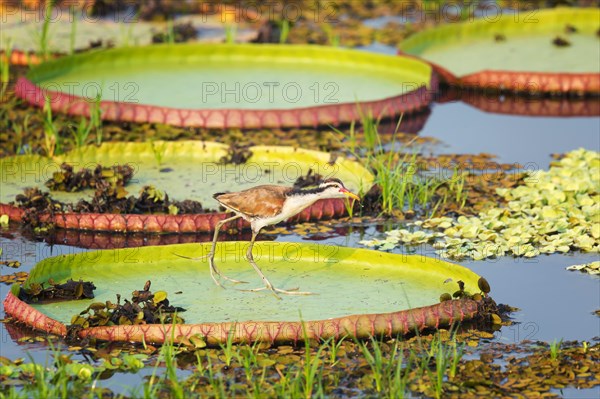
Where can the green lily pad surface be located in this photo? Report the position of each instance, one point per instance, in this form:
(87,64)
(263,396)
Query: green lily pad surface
(514,42)
(347,281)
(184,170)
(220,76)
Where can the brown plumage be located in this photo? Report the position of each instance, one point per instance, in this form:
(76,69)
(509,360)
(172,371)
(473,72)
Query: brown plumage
(255,202)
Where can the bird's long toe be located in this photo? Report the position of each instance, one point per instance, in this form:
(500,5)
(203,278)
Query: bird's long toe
(275,291)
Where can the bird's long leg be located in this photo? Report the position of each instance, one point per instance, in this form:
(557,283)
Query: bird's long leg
(268,285)
(211,254)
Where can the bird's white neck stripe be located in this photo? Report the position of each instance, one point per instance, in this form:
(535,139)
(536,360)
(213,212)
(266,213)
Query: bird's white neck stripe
(297,203)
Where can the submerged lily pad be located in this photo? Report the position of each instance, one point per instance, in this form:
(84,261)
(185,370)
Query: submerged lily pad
(534,53)
(353,282)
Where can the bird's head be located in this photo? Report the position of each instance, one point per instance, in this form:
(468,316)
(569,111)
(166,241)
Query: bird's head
(334,188)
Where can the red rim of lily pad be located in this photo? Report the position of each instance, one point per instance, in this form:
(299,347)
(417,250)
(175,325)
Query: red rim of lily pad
(415,78)
(111,240)
(426,277)
(523,105)
(510,80)
(187,223)
(442,315)
(190,151)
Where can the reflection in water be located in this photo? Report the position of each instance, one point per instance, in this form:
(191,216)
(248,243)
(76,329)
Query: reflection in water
(527,140)
(105,240)
(494,102)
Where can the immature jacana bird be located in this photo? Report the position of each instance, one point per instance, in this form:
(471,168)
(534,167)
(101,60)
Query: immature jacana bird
(267,205)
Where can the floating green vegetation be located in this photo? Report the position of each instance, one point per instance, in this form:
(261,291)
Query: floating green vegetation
(554,211)
(17,277)
(436,366)
(590,268)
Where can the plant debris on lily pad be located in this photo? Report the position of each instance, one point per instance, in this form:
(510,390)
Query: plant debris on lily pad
(145,307)
(108,198)
(554,211)
(149,201)
(310,179)
(67,180)
(35,202)
(67,291)
(237,154)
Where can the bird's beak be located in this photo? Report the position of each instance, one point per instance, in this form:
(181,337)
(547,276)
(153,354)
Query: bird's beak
(351,194)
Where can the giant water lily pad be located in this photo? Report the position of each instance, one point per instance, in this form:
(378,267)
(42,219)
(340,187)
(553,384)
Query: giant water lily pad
(184,170)
(366,292)
(218,85)
(548,50)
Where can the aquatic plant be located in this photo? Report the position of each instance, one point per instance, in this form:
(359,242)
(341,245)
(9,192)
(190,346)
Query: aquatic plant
(333,38)
(158,150)
(19,129)
(44,35)
(52,139)
(554,211)
(5,67)
(555,349)
(403,369)
(95,121)
(170,36)
(5,61)
(81,132)
(403,186)
(590,268)
(73,33)
(284,31)
(230,33)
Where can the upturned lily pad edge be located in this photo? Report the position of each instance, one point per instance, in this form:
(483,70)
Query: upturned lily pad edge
(321,115)
(442,315)
(392,324)
(194,223)
(523,82)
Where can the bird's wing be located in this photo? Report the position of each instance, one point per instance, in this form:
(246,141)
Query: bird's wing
(260,201)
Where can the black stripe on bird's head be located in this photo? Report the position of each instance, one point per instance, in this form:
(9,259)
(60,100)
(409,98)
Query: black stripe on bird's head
(331,182)
(328,188)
